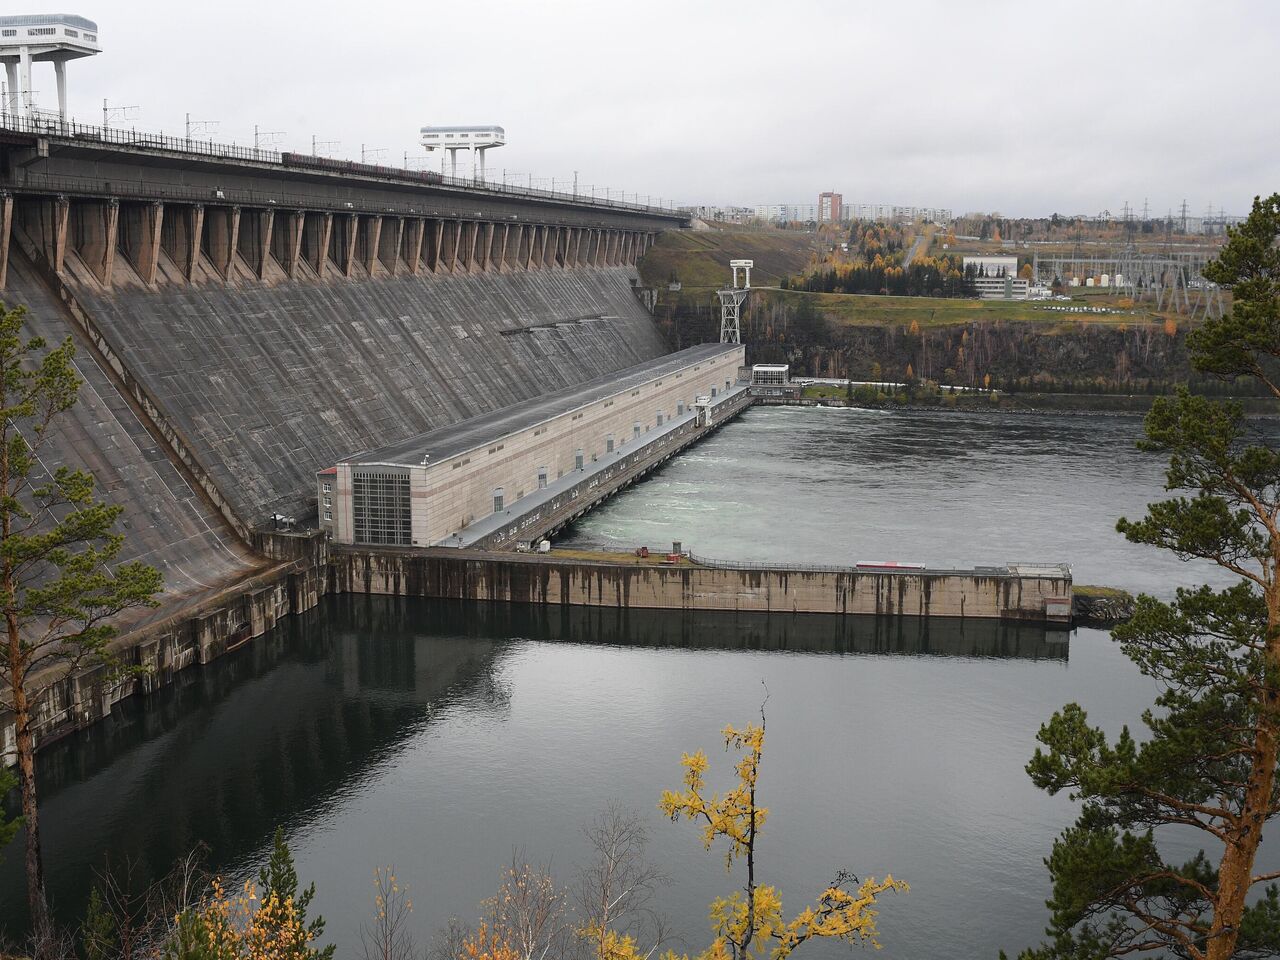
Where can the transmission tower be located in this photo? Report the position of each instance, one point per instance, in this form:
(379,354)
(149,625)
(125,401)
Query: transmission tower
(731,299)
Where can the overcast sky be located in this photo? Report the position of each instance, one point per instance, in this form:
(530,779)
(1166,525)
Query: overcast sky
(1022,107)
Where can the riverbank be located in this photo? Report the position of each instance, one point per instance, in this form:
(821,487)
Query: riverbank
(1096,606)
(941,399)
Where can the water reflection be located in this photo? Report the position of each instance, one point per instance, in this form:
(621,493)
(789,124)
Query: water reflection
(799,633)
(252,740)
(291,723)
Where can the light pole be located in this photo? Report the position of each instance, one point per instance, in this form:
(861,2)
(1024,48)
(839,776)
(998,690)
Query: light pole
(199,126)
(264,135)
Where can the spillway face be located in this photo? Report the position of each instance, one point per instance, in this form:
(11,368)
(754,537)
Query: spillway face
(271,382)
(167,523)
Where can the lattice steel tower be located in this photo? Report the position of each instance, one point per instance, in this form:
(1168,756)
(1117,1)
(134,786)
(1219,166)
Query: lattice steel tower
(731,299)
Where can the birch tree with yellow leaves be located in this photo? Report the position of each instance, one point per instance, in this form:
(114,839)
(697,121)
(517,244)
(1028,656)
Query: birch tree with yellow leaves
(749,923)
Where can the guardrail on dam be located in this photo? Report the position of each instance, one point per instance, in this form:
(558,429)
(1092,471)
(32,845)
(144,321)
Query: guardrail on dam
(104,195)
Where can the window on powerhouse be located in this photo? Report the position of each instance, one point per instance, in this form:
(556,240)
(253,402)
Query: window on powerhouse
(380,508)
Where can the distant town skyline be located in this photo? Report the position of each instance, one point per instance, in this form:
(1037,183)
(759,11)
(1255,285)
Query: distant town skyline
(999,106)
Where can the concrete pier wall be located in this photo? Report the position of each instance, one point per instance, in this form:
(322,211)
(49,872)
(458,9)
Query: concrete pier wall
(545,580)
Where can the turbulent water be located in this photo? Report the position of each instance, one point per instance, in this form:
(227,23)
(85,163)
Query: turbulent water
(438,737)
(839,485)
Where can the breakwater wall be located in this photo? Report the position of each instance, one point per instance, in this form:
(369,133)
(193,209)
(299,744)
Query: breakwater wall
(306,568)
(998,593)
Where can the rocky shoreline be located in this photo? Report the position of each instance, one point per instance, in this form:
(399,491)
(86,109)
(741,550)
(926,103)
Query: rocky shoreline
(1100,606)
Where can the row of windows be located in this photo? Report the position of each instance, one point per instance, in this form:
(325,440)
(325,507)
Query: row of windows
(48,32)
(380,510)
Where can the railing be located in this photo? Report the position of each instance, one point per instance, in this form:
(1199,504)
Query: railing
(50,125)
(1002,571)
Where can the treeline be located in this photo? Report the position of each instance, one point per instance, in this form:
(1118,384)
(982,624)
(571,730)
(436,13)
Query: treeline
(923,277)
(874,264)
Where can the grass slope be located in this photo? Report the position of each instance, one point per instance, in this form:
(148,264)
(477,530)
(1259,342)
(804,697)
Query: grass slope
(868,310)
(701,258)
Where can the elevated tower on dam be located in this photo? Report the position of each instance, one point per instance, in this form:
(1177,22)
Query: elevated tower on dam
(42,38)
(731,300)
(475,138)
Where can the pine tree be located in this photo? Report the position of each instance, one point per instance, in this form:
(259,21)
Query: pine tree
(279,877)
(1207,761)
(60,585)
(98,934)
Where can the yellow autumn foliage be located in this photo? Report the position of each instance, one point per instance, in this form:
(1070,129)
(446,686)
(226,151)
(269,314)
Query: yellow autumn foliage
(751,926)
(239,927)
(484,945)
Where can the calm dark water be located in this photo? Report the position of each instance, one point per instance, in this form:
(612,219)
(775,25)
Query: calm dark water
(437,737)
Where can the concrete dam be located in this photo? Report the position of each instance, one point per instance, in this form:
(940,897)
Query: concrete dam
(267,340)
(243,320)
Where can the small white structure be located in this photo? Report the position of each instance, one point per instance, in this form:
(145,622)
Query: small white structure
(773,380)
(42,37)
(477,139)
(770,375)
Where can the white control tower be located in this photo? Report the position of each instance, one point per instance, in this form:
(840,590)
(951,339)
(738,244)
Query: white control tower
(42,37)
(477,139)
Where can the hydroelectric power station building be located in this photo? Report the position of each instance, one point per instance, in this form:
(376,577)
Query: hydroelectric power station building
(504,474)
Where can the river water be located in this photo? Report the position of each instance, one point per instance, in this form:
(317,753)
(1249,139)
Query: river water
(438,737)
